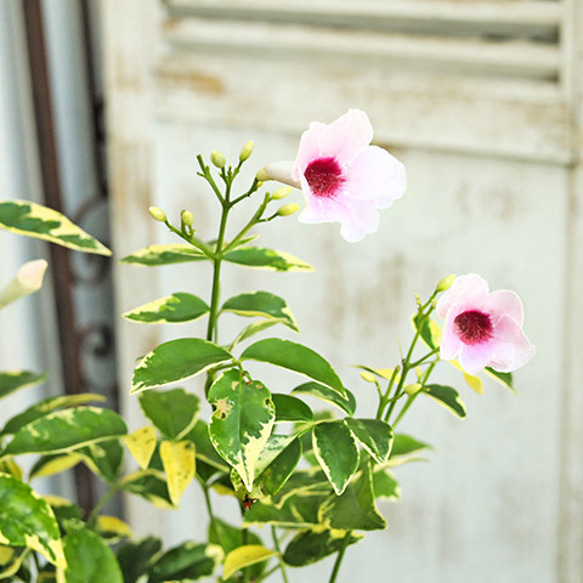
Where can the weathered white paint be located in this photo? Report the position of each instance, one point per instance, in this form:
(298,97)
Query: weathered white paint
(494,187)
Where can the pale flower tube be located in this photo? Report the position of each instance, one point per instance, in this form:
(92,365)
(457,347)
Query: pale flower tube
(28,280)
(343,178)
(483,329)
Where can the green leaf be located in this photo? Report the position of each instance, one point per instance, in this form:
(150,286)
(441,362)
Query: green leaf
(62,431)
(26,520)
(135,557)
(296,357)
(12,381)
(155,255)
(336,451)
(267,259)
(314,544)
(241,422)
(35,220)
(448,397)
(89,558)
(205,450)
(278,471)
(288,408)
(385,485)
(347,403)
(104,458)
(46,406)
(355,509)
(429,330)
(261,304)
(231,537)
(11,561)
(174,412)
(178,307)
(375,435)
(504,378)
(244,557)
(405,449)
(253,329)
(150,485)
(64,510)
(175,361)
(187,562)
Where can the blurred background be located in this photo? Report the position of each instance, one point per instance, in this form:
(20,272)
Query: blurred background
(104,105)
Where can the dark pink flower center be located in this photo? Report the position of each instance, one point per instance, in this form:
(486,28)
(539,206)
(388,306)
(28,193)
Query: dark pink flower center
(324,177)
(473,327)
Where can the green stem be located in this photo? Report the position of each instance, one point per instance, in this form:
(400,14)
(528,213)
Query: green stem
(100,504)
(278,549)
(209,508)
(268,573)
(339,558)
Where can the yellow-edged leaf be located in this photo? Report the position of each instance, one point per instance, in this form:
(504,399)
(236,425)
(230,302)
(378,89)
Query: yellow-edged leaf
(112,528)
(245,556)
(55,465)
(142,444)
(179,464)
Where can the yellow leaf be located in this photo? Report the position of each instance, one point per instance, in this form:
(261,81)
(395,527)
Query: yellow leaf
(244,557)
(111,527)
(142,444)
(57,465)
(474,381)
(179,464)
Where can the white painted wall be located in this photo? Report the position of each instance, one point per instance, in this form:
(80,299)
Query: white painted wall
(492,189)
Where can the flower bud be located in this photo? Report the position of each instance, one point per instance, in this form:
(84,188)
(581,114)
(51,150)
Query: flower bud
(288,209)
(368,376)
(281,192)
(218,159)
(412,389)
(158,214)
(262,175)
(187,218)
(445,283)
(246,151)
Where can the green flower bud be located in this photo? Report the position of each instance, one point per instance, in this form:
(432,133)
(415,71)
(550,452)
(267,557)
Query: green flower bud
(445,283)
(281,192)
(368,377)
(412,389)
(187,218)
(158,214)
(262,175)
(288,209)
(218,159)
(246,151)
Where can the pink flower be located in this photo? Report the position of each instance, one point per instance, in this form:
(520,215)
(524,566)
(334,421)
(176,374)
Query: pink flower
(344,179)
(484,329)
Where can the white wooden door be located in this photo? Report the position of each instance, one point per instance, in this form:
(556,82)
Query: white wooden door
(482,102)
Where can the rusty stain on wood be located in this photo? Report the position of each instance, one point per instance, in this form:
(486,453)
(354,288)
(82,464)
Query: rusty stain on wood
(193,81)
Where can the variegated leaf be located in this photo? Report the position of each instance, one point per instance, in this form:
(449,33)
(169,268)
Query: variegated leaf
(261,304)
(34,220)
(175,308)
(26,520)
(187,562)
(142,444)
(65,430)
(155,255)
(267,259)
(18,379)
(242,421)
(375,435)
(244,557)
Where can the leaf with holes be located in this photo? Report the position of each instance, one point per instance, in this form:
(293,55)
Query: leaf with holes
(34,220)
(65,430)
(26,520)
(448,397)
(336,451)
(174,412)
(241,422)
(14,380)
(261,304)
(175,361)
(297,358)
